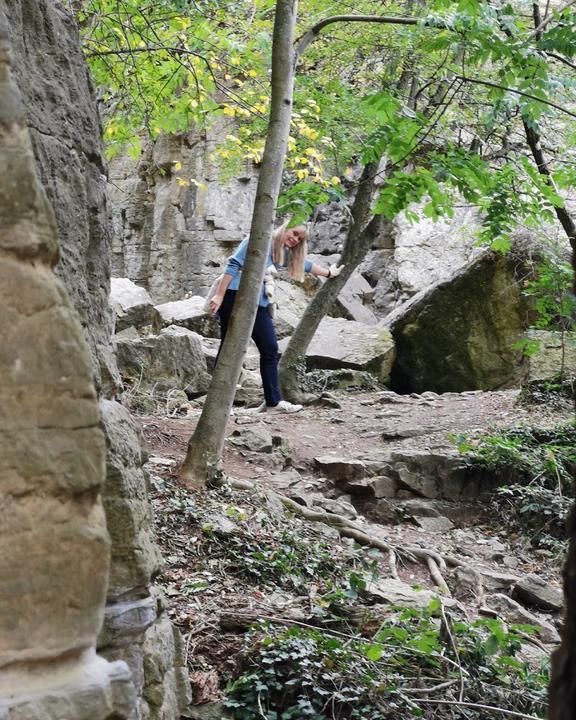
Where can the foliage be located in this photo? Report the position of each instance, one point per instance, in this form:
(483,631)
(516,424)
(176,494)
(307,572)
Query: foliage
(289,561)
(549,290)
(444,100)
(313,673)
(536,468)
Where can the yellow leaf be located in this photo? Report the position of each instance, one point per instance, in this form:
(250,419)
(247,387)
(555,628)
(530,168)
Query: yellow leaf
(177,165)
(182,183)
(335,180)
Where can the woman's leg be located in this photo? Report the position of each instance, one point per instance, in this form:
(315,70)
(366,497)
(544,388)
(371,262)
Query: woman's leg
(264,336)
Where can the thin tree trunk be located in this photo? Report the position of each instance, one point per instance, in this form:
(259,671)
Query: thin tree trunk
(204,455)
(364,228)
(355,249)
(562,213)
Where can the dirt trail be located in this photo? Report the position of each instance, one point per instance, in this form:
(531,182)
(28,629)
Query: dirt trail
(366,426)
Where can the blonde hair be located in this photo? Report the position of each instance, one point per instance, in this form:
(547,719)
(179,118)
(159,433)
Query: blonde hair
(296,255)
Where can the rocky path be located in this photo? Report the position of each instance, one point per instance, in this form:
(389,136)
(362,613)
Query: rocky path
(388,464)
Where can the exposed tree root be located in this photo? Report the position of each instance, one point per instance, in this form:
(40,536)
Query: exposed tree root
(436,563)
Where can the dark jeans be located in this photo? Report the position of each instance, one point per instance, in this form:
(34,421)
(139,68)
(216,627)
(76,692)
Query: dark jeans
(264,336)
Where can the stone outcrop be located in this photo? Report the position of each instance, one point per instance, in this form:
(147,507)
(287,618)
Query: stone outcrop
(342,343)
(55,444)
(555,353)
(173,359)
(132,305)
(53,539)
(188,313)
(174,228)
(460,334)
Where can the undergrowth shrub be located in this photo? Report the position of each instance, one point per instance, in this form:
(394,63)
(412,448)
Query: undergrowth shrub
(536,468)
(312,673)
(557,393)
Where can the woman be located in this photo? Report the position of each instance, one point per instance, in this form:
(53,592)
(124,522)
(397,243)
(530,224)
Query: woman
(289,247)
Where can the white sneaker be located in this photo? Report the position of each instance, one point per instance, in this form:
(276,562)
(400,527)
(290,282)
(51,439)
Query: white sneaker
(285,407)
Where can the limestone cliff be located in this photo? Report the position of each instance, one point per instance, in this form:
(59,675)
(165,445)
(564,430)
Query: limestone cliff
(48,369)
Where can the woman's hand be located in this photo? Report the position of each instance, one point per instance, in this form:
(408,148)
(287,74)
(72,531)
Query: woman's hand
(215,302)
(335,270)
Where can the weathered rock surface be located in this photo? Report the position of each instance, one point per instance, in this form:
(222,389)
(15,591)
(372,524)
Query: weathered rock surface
(132,305)
(54,547)
(555,352)
(342,343)
(460,334)
(396,592)
(533,591)
(52,419)
(513,612)
(188,313)
(135,557)
(173,359)
(354,300)
(256,438)
(173,233)
(291,301)
(85,688)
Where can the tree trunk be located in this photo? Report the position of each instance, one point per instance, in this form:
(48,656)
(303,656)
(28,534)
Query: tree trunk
(562,690)
(204,455)
(357,242)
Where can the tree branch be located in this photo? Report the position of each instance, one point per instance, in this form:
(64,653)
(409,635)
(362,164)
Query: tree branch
(542,25)
(488,83)
(310,35)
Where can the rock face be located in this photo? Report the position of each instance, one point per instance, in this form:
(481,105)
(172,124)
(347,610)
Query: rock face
(554,353)
(344,343)
(173,359)
(54,445)
(55,548)
(175,228)
(188,313)
(132,305)
(460,334)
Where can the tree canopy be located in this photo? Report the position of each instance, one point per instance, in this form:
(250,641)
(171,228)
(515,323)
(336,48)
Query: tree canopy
(444,92)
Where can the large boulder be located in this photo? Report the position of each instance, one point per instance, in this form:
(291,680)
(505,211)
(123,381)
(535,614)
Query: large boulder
(340,343)
(132,305)
(461,333)
(188,313)
(291,301)
(172,360)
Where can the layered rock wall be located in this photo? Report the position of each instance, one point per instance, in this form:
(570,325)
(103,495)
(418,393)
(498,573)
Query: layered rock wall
(175,219)
(54,546)
(53,421)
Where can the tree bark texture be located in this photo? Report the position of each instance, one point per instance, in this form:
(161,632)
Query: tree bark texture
(357,242)
(562,690)
(203,458)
